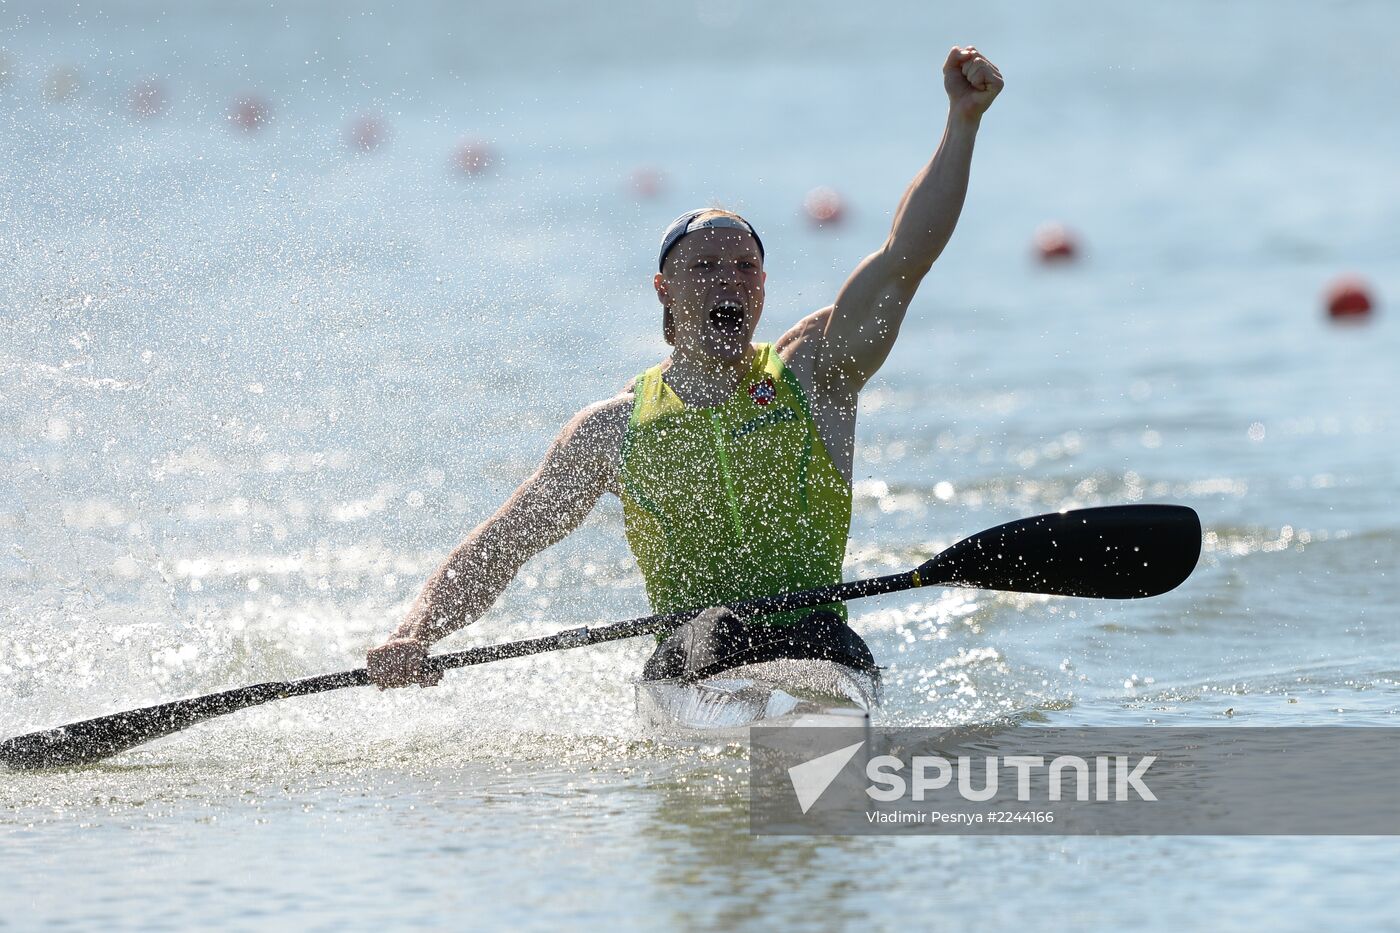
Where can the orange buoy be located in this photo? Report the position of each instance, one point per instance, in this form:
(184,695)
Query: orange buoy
(473,157)
(824,206)
(249,113)
(1349,298)
(1054,243)
(148,98)
(366,133)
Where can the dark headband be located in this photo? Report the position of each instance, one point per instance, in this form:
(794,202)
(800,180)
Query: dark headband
(687,223)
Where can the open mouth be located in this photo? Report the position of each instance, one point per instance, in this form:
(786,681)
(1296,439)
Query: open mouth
(727,317)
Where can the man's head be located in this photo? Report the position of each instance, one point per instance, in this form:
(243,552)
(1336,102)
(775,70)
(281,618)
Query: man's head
(711,283)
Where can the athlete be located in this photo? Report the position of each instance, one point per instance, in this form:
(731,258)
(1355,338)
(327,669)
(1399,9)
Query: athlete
(733,460)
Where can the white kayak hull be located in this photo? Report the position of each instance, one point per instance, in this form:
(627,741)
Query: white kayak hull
(787,692)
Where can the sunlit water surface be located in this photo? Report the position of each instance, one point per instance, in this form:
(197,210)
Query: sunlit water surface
(255,385)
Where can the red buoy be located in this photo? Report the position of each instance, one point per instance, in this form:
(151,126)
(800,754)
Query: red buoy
(366,133)
(1349,297)
(473,158)
(824,206)
(249,113)
(646,182)
(1054,243)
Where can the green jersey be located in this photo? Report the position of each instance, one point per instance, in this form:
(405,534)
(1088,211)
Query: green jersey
(735,501)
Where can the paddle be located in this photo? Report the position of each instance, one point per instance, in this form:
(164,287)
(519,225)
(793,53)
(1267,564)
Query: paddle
(1118,552)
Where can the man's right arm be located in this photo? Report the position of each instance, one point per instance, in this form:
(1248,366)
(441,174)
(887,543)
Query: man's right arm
(547,506)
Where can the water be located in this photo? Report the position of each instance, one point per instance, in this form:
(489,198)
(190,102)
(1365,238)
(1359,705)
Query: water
(255,385)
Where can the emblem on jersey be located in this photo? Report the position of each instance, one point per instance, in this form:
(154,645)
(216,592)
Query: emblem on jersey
(763,393)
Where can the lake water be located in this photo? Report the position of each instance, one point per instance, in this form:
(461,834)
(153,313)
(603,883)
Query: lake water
(255,384)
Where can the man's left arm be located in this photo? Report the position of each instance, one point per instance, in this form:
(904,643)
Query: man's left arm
(861,327)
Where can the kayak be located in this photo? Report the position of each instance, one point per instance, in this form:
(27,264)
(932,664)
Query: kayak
(786,692)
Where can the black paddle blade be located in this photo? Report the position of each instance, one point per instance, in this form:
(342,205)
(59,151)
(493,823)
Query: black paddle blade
(1117,552)
(93,739)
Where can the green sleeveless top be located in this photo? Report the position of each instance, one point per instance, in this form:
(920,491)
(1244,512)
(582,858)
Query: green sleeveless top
(735,501)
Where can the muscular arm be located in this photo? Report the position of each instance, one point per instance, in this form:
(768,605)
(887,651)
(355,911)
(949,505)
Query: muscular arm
(545,508)
(861,327)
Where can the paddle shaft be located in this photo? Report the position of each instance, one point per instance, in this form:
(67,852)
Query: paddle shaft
(94,739)
(1118,552)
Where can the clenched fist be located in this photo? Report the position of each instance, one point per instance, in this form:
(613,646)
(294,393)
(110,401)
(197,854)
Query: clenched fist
(971,80)
(402,662)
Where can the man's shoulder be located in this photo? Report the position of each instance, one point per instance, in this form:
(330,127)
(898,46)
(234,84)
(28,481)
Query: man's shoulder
(598,429)
(802,351)
(609,412)
(801,345)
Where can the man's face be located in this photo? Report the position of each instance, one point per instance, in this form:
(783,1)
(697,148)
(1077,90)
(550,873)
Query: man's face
(713,284)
